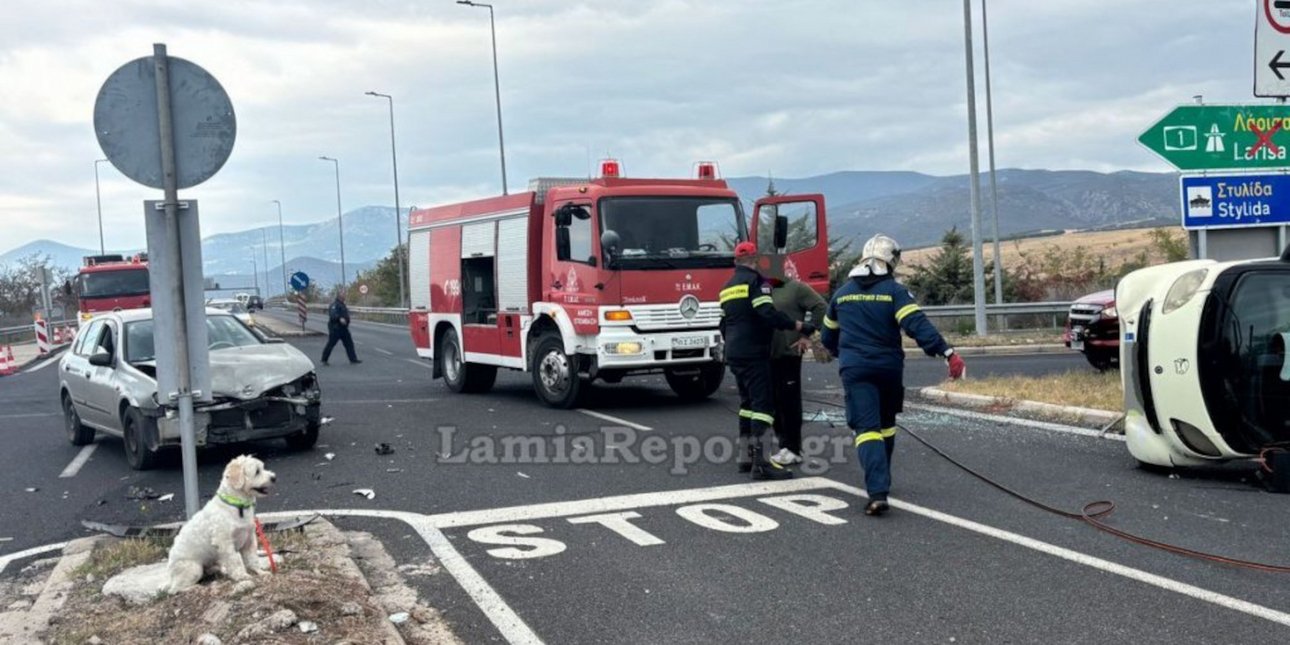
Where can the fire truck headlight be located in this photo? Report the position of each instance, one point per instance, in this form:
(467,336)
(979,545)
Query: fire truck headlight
(624,348)
(1183,289)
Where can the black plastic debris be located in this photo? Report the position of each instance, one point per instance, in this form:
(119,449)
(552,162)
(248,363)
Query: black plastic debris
(384,449)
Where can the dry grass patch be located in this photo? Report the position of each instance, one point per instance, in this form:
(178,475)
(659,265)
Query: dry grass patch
(1017,339)
(112,558)
(1081,389)
(1115,246)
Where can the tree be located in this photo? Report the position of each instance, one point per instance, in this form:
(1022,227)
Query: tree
(946,277)
(1172,244)
(382,282)
(20,289)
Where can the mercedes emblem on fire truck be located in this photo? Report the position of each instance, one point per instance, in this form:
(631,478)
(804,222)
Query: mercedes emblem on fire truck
(689,307)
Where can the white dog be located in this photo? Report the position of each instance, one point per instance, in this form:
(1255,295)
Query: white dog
(222,534)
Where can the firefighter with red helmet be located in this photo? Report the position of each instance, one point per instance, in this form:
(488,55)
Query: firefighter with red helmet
(748,324)
(862,328)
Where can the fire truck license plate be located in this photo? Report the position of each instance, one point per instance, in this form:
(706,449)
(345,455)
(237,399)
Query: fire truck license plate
(690,342)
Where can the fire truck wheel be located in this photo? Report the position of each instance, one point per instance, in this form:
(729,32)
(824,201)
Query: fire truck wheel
(555,377)
(459,375)
(694,386)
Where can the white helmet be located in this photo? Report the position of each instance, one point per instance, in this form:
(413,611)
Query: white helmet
(881,254)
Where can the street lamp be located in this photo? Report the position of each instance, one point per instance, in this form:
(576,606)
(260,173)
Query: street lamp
(497,87)
(99,200)
(398,226)
(974,177)
(264,245)
(282,247)
(255,272)
(340,219)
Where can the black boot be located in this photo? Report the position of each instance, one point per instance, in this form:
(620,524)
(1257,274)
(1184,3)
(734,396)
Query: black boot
(762,468)
(743,455)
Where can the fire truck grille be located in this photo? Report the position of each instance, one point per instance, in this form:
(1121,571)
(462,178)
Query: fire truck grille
(656,318)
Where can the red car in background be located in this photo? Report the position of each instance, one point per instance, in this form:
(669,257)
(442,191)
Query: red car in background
(1093,327)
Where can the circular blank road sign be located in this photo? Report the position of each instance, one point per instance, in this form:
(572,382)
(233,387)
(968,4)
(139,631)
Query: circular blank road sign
(125,122)
(362,289)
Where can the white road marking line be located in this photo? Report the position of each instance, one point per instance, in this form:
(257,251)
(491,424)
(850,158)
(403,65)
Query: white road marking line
(383,351)
(600,505)
(363,401)
(422,363)
(80,459)
(6,559)
(30,415)
(1212,597)
(621,422)
(41,366)
(1025,423)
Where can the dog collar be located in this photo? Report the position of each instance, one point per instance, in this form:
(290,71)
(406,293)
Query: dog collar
(236,502)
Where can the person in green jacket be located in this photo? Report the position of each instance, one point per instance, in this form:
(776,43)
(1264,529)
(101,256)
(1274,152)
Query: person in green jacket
(797,300)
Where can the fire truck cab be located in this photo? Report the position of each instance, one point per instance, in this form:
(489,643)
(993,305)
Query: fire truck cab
(112,283)
(583,279)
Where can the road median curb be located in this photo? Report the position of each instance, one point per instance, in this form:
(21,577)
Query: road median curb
(1087,416)
(989,350)
(280,329)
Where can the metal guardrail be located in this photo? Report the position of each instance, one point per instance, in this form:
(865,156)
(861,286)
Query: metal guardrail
(1058,311)
(27,333)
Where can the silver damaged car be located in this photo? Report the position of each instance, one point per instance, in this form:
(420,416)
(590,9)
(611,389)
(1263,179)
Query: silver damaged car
(262,388)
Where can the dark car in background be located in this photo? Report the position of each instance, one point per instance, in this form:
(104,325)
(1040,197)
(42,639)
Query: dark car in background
(1093,327)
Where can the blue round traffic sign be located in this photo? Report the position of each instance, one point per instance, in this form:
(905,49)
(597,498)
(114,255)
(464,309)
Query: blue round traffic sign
(299,281)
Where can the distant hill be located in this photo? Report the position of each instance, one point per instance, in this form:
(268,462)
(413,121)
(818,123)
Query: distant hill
(917,209)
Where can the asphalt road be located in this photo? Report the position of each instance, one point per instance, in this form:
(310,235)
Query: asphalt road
(527,525)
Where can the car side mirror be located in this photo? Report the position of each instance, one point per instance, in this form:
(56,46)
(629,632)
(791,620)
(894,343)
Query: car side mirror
(564,215)
(101,358)
(781,232)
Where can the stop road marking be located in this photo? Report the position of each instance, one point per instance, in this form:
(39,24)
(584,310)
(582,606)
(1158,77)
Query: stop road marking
(528,541)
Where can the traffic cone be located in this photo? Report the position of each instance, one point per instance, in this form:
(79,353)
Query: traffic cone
(7,364)
(58,336)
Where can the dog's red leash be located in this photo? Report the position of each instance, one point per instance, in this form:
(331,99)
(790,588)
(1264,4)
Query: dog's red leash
(264,542)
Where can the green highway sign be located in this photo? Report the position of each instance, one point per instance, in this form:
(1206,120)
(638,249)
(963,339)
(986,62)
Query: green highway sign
(1222,137)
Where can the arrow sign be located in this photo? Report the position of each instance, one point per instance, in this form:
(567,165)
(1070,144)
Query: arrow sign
(1271,42)
(1222,137)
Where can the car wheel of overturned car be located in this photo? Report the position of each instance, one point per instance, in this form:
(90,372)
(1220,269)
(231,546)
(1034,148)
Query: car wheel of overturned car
(78,433)
(135,438)
(460,376)
(1102,360)
(555,375)
(305,439)
(695,384)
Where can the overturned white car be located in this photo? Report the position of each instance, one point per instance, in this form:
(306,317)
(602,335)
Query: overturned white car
(1203,360)
(262,388)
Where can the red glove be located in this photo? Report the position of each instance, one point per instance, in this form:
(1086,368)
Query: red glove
(957,367)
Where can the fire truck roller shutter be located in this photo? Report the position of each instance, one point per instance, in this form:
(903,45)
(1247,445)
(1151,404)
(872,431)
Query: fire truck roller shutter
(419,269)
(512,268)
(477,240)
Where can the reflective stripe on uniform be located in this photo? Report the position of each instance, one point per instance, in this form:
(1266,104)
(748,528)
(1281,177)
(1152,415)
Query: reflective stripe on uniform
(888,433)
(905,311)
(762,300)
(868,436)
(830,323)
(747,414)
(768,419)
(731,293)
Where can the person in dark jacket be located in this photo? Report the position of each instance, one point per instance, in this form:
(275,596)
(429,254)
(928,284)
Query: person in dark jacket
(801,303)
(338,329)
(748,323)
(862,328)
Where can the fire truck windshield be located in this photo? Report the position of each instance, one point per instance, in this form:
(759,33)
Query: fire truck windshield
(673,232)
(114,284)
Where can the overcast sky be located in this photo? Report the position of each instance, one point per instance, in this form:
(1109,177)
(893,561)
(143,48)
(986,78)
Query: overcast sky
(792,87)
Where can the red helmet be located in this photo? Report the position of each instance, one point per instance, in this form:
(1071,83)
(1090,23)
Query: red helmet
(745,249)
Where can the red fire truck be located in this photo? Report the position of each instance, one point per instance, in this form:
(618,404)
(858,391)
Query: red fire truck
(583,279)
(112,282)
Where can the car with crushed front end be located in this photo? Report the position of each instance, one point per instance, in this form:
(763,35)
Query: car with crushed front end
(261,388)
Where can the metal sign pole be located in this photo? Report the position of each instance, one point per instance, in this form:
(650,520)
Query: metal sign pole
(174,282)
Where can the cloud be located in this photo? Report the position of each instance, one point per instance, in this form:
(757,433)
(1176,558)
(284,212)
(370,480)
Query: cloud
(793,87)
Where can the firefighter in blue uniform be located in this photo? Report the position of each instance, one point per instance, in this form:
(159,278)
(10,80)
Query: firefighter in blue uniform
(862,328)
(748,323)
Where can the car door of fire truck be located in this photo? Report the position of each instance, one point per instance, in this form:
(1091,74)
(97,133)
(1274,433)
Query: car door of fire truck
(804,254)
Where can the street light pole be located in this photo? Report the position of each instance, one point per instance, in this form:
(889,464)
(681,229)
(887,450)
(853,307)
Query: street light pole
(974,188)
(98,198)
(340,219)
(398,210)
(282,248)
(264,245)
(497,84)
(989,135)
(255,272)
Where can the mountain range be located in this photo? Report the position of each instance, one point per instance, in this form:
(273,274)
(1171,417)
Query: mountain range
(912,207)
